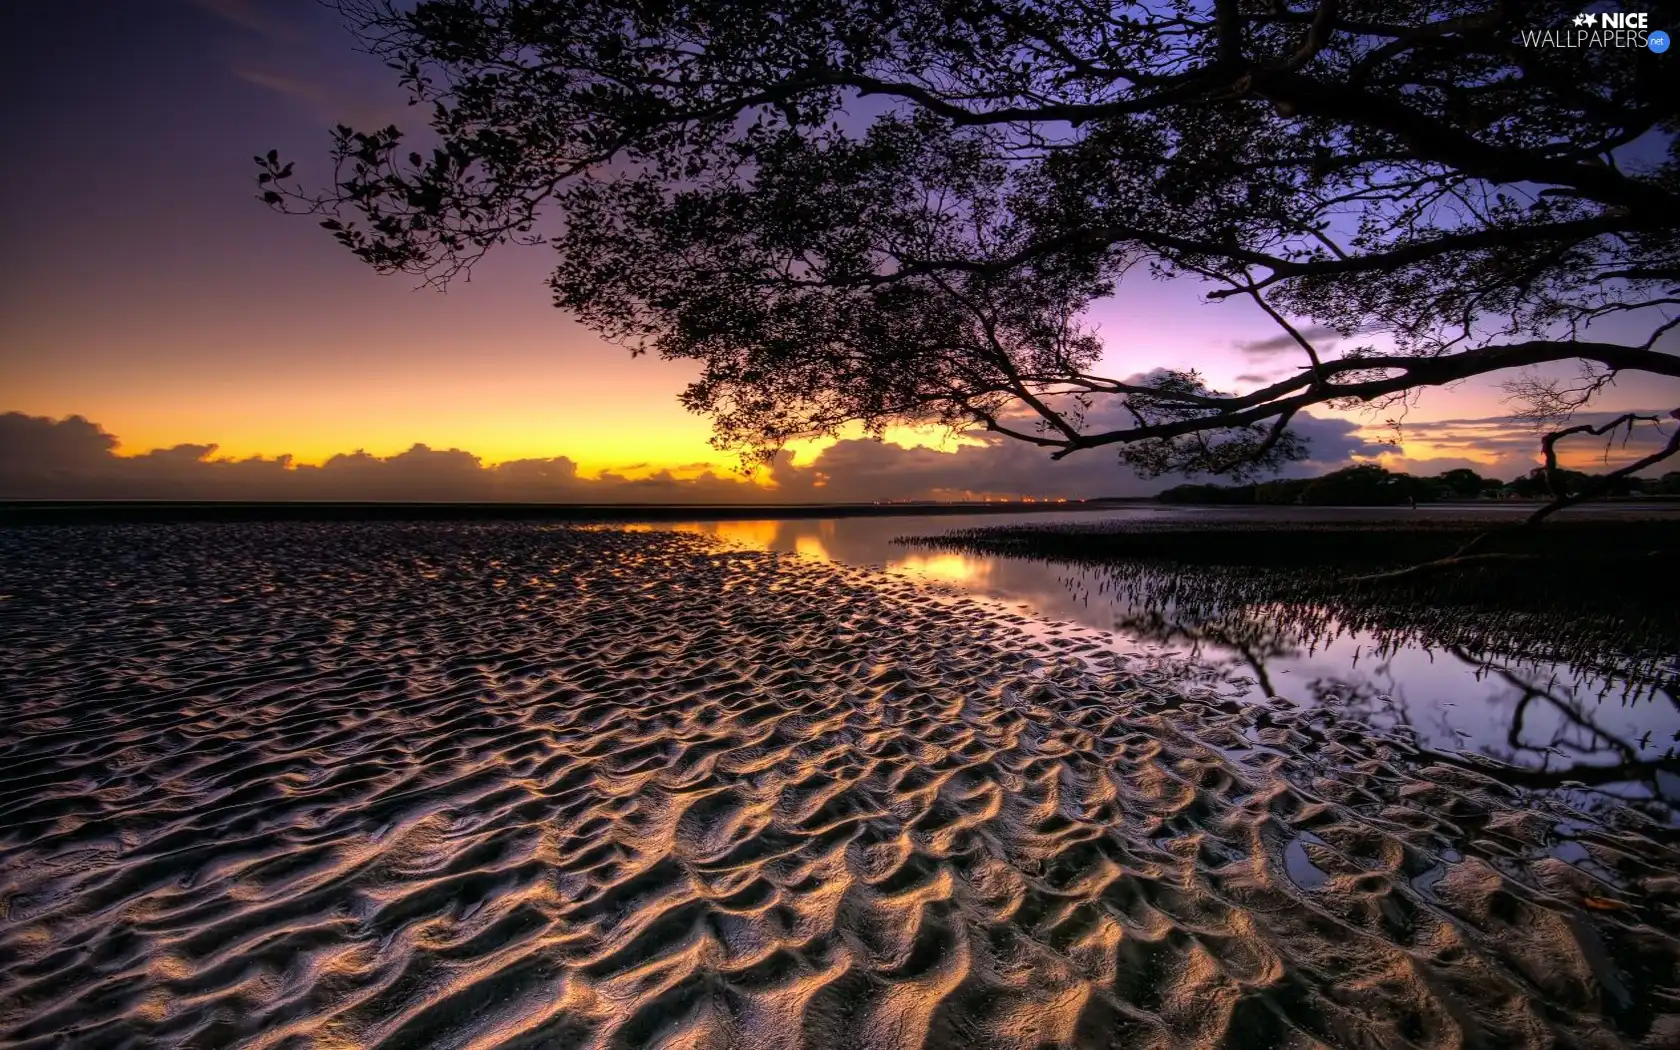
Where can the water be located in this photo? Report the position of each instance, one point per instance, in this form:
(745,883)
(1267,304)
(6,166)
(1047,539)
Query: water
(1574,728)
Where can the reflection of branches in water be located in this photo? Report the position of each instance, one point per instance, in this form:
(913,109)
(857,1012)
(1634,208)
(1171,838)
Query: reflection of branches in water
(1571,711)
(1230,601)
(1206,639)
(1599,607)
(1372,701)
(1175,608)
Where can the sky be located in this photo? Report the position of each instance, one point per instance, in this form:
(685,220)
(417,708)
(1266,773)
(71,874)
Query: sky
(151,303)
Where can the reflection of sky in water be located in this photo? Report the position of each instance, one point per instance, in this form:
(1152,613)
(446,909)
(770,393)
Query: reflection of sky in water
(1534,714)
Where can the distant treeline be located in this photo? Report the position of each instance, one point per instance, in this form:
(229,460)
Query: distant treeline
(1369,485)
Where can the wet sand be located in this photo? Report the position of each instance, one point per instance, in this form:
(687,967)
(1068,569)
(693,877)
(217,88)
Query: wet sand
(322,785)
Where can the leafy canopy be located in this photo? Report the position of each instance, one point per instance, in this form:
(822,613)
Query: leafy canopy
(889,210)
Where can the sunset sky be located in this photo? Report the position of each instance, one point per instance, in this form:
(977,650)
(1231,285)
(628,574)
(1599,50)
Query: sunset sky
(150,293)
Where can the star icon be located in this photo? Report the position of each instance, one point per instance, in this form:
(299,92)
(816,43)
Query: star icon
(1588,20)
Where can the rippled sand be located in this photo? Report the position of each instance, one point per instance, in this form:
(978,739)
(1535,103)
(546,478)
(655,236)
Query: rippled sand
(503,785)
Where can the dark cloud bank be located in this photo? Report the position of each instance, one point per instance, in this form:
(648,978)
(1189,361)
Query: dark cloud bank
(73,458)
(1277,344)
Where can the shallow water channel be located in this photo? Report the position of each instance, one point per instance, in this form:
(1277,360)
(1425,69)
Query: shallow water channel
(1594,733)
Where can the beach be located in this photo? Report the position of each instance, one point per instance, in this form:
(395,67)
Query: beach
(505,784)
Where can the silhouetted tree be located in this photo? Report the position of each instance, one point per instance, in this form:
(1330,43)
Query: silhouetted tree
(880,211)
(1212,494)
(1462,483)
(1281,492)
(1536,484)
(1363,485)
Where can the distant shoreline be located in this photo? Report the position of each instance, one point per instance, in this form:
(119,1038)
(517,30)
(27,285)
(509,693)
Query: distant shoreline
(95,512)
(1209,515)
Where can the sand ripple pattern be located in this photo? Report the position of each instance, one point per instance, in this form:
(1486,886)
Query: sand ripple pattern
(515,786)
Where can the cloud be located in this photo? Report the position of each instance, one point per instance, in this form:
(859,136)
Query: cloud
(247,14)
(291,87)
(867,470)
(72,458)
(1505,446)
(294,50)
(67,446)
(1284,341)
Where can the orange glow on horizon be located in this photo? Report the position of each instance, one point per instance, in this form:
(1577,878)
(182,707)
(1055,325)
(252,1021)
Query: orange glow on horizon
(678,443)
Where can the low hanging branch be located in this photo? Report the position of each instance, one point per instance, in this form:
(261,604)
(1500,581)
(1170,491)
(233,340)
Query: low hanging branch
(1472,554)
(1603,482)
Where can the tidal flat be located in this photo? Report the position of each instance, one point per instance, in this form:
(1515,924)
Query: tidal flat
(522,785)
